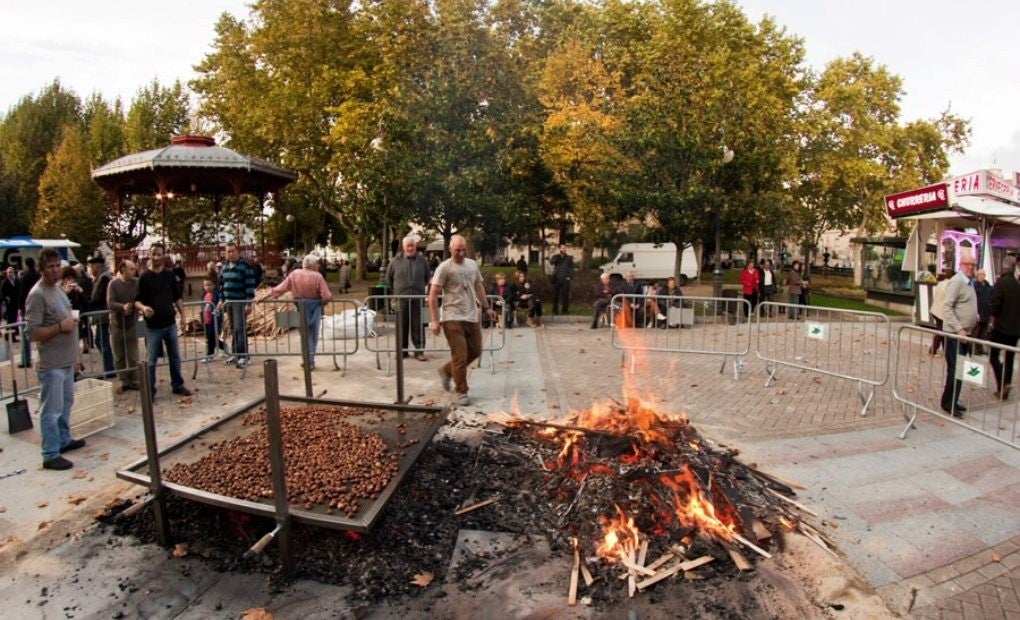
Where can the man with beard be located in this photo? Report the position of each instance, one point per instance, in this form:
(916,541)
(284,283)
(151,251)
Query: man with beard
(158,299)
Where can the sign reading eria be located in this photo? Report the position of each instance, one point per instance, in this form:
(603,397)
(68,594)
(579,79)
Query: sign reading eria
(931,198)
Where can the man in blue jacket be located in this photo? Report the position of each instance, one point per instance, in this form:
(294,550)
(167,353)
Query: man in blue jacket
(237,291)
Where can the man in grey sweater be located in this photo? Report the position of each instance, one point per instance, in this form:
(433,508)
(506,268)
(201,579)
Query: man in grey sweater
(959,317)
(408,274)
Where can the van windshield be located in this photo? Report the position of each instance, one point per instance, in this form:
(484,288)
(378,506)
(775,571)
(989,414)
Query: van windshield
(625,257)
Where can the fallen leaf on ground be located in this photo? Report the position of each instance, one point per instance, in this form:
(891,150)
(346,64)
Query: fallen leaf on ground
(996,556)
(75,499)
(258,613)
(3,509)
(42,504)
(78,475)
(180,550)
(105,456)
(422,579)
(44,524)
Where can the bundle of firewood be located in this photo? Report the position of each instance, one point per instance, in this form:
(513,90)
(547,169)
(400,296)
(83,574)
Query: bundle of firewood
(262,320)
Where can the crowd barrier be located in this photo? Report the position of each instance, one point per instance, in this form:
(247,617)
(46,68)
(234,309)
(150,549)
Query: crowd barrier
(381,337)
(13,362)
(696,325)
(919,379)
(846,344)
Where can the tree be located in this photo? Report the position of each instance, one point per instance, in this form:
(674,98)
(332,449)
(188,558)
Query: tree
(28,133)
(69,202)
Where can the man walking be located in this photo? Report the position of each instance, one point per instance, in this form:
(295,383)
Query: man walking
(52,326)
(101,281)
(158,299)
(959,317)
(1005,311)
(460,281)
(408,274)
(10,297)
(237,290)
(563,271)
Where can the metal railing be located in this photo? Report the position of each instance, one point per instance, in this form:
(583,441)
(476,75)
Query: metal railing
(382,339)
(695,325)
(983,368)
(13,366)
(846,344)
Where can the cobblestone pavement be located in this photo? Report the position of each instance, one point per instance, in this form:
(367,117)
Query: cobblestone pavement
(931,522)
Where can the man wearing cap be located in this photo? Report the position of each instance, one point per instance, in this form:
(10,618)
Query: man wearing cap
(100,283)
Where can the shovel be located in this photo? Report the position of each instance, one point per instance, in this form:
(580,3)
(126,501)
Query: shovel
(18,418)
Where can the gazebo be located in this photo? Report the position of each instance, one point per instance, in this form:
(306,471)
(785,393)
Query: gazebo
(189,166)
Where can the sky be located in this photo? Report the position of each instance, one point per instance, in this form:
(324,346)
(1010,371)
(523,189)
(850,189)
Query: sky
(959,55)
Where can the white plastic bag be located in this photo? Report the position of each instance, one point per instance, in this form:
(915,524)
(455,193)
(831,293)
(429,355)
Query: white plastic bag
(352,323)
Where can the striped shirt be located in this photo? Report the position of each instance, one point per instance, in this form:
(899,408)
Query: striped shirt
(237,281)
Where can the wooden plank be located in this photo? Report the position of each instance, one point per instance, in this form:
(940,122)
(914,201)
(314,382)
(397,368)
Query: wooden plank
(572,595)
(473,507)
(739,559)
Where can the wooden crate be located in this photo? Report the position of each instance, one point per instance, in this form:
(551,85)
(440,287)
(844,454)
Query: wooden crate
(93,408)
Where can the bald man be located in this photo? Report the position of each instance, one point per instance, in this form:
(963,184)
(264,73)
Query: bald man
(460,280)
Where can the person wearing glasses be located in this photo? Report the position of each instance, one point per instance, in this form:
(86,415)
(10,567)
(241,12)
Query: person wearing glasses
(959,317)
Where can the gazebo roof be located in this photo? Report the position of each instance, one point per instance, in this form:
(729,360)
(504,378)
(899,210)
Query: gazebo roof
(191,165)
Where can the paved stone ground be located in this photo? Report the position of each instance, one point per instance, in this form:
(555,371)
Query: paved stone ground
(932,522)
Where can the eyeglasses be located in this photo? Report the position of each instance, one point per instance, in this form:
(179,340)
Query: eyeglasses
(970,264)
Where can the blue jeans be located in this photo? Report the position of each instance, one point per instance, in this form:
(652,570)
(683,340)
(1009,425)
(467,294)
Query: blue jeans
(155,337)
(238,327)
(57,398)
(313,315)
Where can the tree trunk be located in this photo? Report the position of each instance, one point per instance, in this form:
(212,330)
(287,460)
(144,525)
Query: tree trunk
(361,248)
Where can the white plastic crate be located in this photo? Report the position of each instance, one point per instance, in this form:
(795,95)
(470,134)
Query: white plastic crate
(93,408)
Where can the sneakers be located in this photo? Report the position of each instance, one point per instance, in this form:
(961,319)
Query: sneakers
(242,362)
(182,392)
(419,356)
(446,379)
(462,400)
(660,316)
(57,463)
(72,445)
(230,360)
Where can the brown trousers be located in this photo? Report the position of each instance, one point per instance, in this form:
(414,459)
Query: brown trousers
(465,340)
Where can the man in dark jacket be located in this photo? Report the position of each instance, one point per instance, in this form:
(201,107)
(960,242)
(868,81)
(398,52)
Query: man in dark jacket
(29,277)
(10,297)
(1005,312)
(563,271)
(101,281)
(408,274)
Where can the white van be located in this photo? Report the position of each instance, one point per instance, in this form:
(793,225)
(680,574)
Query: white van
(653,261)
(15,250)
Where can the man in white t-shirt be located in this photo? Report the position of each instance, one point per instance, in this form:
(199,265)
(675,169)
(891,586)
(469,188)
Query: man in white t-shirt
(460,280)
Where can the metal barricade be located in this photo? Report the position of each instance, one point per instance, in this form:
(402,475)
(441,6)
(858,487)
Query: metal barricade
(919,380)
(695,325)
(382,340)
(15,361)
(846,344)
(191,340)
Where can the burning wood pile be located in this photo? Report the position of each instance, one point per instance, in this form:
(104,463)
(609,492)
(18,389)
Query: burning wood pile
(643,496)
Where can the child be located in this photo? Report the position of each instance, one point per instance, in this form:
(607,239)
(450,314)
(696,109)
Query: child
(208,318)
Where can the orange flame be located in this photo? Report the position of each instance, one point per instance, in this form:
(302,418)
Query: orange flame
(693,508)
(620,537)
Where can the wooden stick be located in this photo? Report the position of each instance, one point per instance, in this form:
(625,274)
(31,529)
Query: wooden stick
(588,579)
(753,547)
(672,570)
(631,565)
(642,553)
(631,577)
(818,541)
(572,596)
(679,551)
(780,480)
(761,533)
(657,563)
(795,503)
(739,559)
(481,504)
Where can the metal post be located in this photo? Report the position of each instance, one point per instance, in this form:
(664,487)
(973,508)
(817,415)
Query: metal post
(717,276)
(278,471)
(156,489)
(401,348)
(306,355)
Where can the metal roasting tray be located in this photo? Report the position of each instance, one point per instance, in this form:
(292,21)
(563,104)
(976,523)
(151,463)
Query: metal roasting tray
(421,423)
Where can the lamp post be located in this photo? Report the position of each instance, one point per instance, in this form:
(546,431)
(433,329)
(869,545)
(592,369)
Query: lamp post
(717,276)
(293,239)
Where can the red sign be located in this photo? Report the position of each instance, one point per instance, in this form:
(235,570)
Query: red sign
(931,198)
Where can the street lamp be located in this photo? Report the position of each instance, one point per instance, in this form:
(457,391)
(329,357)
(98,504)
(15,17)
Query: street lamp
(717,279)
(293,239)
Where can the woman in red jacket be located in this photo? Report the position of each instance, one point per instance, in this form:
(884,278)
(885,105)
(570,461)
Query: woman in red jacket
(751,282)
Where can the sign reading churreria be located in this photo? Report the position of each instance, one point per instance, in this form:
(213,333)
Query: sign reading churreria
(931,198)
